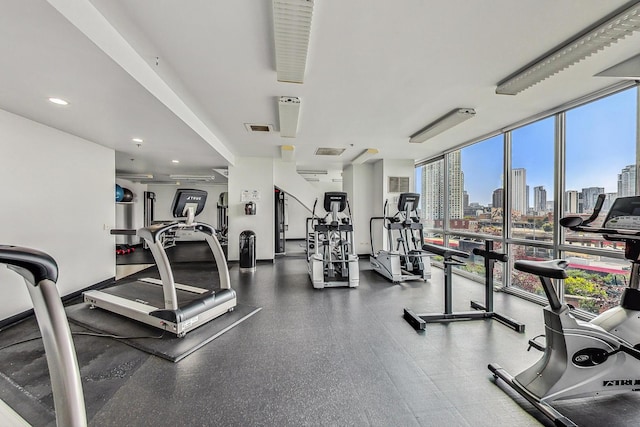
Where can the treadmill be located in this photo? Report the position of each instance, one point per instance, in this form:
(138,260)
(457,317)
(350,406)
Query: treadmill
(164,304)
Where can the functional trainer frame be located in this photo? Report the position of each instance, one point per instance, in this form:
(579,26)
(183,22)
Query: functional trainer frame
(483,311)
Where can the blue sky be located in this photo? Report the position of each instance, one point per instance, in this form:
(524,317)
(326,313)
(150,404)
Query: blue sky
(600,142)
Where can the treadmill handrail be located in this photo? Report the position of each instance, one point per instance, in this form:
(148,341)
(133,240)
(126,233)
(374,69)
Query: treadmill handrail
(40,273)
(152,235)
(40,265)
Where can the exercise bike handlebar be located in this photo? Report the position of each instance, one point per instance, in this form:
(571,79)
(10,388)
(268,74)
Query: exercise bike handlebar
(498,256)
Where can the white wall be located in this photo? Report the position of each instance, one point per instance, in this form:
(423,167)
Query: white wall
(367,186)
(57,196)
(359,183)
(252,174)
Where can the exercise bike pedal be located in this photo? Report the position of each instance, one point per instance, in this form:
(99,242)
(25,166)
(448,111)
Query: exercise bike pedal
(535,344)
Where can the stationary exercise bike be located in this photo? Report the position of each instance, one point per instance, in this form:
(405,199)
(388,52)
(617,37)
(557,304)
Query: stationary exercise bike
(581,358)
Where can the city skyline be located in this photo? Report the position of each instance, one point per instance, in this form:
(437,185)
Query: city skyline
(609,119)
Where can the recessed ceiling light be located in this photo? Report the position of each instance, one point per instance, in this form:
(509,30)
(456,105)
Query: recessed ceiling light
(137,139)
(58,101)
(175,161)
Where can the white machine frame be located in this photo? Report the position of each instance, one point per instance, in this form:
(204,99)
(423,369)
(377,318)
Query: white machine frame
(583,359)
(203,304)
(333,262)
(402,263)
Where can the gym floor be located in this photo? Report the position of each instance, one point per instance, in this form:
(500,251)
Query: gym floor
(331,357)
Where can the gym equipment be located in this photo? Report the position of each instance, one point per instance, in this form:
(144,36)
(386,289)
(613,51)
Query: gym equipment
(583,359)
(485,311)
(178,308)
(406,261)
(333,262)
(40,273)
(280,221)
(223,219)
(127,195)
(119,193)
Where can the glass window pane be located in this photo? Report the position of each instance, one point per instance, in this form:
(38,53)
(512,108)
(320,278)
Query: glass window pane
(532,182)
(600,157)
(525,281)
(595,283)
(475,187)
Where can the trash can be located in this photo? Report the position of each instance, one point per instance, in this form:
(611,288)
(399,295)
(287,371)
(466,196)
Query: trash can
(247,251)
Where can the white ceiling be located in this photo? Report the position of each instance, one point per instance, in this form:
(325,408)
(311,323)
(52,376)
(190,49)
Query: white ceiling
(187,75)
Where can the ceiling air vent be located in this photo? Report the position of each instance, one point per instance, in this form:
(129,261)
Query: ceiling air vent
(256,127)
(329,151)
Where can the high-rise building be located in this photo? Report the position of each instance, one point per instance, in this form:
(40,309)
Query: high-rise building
(589,197)
(571,201)
(519,190)
(433,197)
(627,181)
(539,199)
(497,198)
(456,185)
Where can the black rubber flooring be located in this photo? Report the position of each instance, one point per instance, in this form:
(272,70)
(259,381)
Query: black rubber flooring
(330,357)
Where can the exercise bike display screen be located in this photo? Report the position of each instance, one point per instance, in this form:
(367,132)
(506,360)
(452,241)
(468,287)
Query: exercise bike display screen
(624,214)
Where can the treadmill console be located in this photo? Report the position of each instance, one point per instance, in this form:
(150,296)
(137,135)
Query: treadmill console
(187,199)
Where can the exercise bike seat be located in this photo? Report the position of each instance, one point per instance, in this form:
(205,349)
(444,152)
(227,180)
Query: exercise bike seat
(553,269)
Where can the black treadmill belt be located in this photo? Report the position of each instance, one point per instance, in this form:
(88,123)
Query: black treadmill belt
(149,293)
(169,347)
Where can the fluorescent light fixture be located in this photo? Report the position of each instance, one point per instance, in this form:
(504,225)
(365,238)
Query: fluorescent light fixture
(289,107)
(628,69)
(309,179)
(137,140)
(205,178)
(312,172)
(287,153)
(444,123)
(610,30)
(291,29)
(59,101)
(175,161)
(134,176)
(364,156)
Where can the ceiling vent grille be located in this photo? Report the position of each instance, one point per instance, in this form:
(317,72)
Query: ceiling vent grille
(291,28)
(398,184)
(256,127)
(329,151)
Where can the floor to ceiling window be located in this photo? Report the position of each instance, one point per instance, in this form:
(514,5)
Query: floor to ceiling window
(600,159)
(599,142)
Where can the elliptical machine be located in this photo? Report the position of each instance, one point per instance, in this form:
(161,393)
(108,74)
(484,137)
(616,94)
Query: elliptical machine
(406,261)
(334,261)
(581,358)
